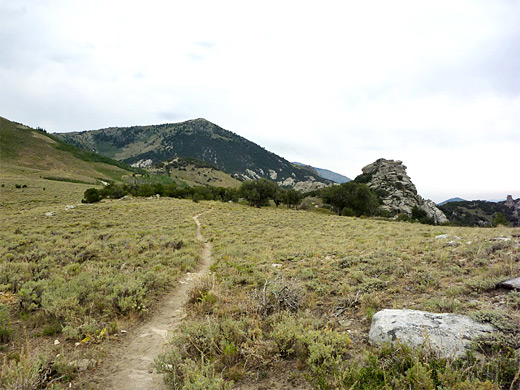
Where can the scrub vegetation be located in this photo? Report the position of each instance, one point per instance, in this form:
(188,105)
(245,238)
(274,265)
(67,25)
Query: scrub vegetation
(294,293)
(78,274)
(290,297)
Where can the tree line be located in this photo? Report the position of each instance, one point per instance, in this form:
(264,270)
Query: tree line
(352,199)
(257,193)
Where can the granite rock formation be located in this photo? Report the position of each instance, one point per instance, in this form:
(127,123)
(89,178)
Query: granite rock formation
(398,194)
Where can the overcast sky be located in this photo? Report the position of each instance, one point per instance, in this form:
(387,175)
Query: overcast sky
(334,84)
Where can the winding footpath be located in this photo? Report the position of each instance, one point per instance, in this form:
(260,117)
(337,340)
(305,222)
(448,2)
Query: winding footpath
(130,366)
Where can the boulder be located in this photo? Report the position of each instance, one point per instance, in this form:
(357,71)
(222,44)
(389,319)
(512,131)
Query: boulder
(448,335)
(513,284)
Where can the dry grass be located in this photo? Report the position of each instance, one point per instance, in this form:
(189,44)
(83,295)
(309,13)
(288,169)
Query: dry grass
(341,271)
(84,271)
(289,286)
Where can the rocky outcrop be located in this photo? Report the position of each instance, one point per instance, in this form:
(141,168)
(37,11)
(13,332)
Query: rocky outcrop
(448,335)
(398,194)
(513,204)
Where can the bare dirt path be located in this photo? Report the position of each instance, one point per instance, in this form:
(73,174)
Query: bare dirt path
(131,365)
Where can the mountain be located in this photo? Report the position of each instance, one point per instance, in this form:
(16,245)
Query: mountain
(200,139)
(327,174)
(32,151)
(396,191)
(451,200)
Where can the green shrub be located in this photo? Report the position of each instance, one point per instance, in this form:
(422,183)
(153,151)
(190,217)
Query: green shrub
(5,324)
(23,373)
(91,195)
(309,341)
(188,374)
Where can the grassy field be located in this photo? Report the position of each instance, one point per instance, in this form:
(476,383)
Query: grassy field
(79,273)
(300,289)
(291,298)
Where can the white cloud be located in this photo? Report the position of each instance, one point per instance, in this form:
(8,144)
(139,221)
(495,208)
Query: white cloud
(335,84)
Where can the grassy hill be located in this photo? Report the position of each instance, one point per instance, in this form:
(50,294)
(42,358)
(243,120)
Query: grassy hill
(34,152)
(198,139)
(195,173)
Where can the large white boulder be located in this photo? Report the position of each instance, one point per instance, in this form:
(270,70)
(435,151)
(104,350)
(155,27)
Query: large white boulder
(448,335)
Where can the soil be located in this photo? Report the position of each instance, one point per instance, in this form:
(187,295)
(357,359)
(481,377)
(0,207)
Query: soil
(130,365)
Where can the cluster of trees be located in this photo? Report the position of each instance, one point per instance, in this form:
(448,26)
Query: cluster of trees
(351,199)
(259,192)
(115,191)
(256,192)
(348,199)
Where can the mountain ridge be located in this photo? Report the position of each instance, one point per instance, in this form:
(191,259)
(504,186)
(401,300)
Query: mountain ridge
(199,139)
(327,174)
(456,199)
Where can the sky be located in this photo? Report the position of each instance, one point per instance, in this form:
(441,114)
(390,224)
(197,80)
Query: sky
(333,84)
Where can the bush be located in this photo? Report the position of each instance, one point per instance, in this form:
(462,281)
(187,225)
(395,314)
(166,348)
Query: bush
(258,192)
(91,195)
(23,373)
(357,198)
(187,374)
(5,324)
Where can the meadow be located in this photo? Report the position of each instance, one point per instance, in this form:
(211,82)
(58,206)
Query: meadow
(291,295)
(294,294)
(78,273)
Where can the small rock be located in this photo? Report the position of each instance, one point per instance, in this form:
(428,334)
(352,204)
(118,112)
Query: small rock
(123,331)
(82,364)
(276,265)
(56,342)
(50,214)
(70,207)
(441,236)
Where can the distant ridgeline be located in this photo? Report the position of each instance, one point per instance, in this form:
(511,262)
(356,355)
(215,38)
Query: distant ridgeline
(483,213)
(145,146)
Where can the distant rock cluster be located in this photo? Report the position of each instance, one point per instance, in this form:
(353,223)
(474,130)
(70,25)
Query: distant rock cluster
(513,204)
(396,190)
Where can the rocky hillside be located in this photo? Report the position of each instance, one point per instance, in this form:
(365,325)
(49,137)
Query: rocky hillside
(145,146)
(398,194)
(483,213)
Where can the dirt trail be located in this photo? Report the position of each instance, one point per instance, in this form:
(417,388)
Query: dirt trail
(131,365)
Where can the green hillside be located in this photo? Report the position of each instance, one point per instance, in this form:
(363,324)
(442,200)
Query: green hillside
(29,151)
(199,139)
